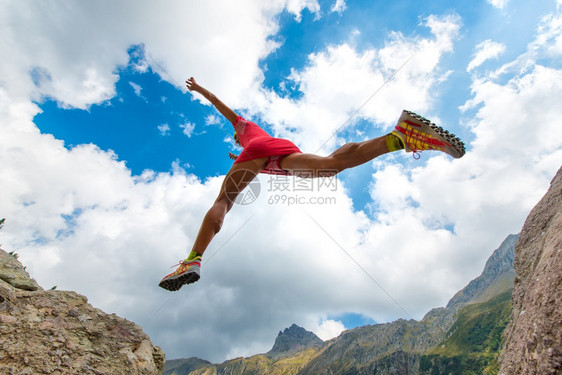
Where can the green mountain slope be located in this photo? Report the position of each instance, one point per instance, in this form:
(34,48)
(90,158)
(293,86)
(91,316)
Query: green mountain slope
(474,341)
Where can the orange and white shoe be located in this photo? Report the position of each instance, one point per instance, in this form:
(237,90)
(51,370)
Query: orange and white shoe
(419,134)
(189,271)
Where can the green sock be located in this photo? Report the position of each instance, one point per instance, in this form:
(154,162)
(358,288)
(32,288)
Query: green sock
(192,255)
(393,142)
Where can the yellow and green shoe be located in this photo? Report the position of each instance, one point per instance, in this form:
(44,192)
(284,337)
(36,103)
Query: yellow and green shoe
(419,134)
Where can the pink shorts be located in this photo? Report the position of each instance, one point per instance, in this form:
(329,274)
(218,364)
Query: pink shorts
(258,144)
(273,166)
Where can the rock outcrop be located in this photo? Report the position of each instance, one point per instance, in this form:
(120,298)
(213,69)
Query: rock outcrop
(12,272)
(59,332)
(292,340)
(534,335)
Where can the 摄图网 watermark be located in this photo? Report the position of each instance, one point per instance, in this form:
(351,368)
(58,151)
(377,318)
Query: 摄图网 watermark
(303,188)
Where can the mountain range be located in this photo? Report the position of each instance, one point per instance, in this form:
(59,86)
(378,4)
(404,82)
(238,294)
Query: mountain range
(463,336)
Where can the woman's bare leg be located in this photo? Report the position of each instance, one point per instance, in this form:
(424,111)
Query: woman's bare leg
(348,156)
(239,176)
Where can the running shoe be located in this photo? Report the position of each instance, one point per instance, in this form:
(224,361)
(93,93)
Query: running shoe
(419,134)
(188,272)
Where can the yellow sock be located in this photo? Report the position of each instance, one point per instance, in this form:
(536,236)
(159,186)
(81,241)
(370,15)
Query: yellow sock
(393,142)
(192,255)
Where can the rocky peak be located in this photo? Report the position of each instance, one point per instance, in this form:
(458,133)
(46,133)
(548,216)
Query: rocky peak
(292,340)
(497,277)
(59,332)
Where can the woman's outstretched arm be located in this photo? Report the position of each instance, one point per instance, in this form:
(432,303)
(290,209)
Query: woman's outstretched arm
(223,108)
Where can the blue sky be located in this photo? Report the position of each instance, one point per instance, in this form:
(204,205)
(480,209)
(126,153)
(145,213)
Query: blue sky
(109,162)
(144,123)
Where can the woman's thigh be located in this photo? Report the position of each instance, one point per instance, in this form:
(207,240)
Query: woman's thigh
(238,177)
(309,165)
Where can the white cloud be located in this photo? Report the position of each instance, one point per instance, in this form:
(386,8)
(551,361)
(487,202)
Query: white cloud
(549,36)
(296,7)
(188,129)
(486,50)
(212,120)
(337,81)
(137,88)
(500,4)
(164,129)
(79,45)
(546,44)
(339,6)
(328,329)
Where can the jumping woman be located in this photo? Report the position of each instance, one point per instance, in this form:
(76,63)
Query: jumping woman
(263,153)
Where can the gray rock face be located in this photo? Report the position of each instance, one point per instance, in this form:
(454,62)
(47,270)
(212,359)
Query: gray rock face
(59,332)
(534,335)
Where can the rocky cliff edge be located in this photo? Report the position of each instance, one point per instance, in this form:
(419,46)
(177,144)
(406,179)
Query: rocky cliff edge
(59,332)
(534,335)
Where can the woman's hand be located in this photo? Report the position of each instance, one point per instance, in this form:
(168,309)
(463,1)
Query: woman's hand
(223,109)
(192,85)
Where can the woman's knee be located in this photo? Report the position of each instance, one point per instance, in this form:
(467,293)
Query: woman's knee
(333,164)
(340,158)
